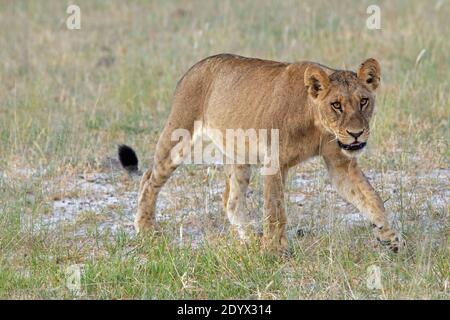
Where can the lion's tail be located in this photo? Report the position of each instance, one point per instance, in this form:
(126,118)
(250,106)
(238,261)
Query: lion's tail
(128,159)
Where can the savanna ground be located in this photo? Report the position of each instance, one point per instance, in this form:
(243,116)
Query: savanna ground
(68,97)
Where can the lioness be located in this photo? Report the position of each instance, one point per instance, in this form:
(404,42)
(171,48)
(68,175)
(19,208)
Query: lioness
(317,111)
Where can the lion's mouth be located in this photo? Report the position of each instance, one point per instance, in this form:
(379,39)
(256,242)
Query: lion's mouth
(353,146)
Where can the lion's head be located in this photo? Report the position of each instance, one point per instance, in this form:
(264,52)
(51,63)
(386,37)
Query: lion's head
(345,102)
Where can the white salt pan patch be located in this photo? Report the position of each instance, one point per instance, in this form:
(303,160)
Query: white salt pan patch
(310,199)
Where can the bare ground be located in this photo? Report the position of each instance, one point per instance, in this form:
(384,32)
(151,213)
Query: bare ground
(190,204)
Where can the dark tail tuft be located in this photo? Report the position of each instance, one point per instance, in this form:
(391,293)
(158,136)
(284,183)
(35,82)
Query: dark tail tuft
(128,158)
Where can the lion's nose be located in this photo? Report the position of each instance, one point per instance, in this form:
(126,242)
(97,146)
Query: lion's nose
(355,134)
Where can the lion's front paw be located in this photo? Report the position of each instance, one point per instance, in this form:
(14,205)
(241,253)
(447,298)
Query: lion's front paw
(389,238)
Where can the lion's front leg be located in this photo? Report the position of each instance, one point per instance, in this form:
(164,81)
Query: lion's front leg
(353,186)
(274,238)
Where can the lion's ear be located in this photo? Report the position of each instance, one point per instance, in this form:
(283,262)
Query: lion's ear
(370,72)
(316,81)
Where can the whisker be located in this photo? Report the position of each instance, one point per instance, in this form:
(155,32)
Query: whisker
(334,139)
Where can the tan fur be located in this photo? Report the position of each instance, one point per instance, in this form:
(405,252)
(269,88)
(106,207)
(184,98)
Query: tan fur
(231,92)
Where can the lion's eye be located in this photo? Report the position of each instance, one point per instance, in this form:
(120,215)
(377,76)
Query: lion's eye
(336,106)
(363,103)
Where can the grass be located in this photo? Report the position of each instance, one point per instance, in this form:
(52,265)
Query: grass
(63,110)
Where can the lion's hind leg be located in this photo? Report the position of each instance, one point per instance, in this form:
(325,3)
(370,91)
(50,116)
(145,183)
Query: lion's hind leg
(150,185)
(238,178)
